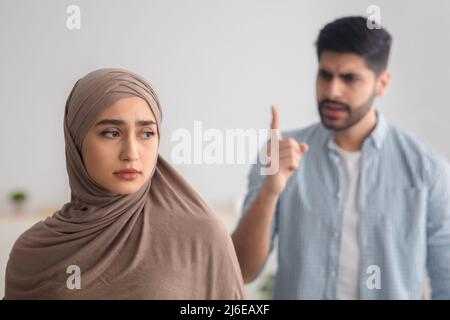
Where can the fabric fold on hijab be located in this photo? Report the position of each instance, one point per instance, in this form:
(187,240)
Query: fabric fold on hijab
(160,242)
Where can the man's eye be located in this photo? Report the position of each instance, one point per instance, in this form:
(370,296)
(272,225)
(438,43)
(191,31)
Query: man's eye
(110,134)
(325,75)
(349,78)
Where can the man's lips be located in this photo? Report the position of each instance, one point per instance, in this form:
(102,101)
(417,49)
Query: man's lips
(333,111)
(333,107)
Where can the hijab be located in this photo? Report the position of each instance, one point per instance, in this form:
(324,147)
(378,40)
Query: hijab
(160,242)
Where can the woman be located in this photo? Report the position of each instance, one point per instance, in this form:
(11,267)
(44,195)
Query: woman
(134,229)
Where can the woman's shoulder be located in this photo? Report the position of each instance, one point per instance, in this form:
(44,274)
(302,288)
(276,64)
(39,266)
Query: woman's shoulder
(29,236)
(209,224)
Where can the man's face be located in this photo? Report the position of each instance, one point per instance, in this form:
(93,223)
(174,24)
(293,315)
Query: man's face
(345,89)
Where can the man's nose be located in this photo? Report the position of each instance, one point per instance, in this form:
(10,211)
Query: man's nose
(334,89)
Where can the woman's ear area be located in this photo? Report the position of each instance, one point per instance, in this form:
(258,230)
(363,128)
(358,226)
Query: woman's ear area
(83,148)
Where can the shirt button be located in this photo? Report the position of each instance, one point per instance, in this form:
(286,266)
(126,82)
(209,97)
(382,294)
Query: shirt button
(336,234)
(332,274)
(338,195)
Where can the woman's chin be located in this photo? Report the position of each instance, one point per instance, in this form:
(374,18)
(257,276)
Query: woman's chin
(125,189)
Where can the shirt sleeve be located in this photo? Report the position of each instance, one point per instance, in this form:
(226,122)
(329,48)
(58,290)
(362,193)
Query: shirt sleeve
(438,231)
(255,181)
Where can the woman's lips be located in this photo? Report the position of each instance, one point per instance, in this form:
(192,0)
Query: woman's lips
(128,176)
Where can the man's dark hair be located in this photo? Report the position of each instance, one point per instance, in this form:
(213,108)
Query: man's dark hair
(351,35)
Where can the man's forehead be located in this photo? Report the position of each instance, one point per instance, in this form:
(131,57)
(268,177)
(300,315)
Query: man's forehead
(336,62)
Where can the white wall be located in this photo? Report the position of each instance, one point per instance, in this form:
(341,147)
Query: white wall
(223,62)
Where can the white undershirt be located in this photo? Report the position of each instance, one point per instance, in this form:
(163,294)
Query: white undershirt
(348,281)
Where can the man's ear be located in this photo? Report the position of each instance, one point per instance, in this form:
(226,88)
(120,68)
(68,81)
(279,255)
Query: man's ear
(382,82)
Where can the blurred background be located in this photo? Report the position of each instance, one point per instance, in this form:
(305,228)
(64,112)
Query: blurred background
(220,62)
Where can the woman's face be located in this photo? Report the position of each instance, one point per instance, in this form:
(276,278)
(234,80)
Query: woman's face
(124,137)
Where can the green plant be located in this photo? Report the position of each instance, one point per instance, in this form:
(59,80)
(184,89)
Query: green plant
(19,197)
(266,287)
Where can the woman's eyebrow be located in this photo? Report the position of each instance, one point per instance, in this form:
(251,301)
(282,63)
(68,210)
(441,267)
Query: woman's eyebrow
(117,122)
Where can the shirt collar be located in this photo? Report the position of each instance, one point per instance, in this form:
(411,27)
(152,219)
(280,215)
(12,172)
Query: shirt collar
(376,137)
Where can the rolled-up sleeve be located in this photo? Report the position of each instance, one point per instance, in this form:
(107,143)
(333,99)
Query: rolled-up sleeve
(255,181)
(438,231)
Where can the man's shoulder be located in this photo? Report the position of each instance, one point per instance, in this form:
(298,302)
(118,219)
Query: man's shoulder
(411,143)
(415,150)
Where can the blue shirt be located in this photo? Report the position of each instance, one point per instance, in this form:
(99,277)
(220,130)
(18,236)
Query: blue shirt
(404,205)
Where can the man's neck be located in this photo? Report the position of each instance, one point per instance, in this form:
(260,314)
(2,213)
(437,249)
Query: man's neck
(352,138)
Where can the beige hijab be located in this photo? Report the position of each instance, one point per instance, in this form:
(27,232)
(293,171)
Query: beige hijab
(161,242)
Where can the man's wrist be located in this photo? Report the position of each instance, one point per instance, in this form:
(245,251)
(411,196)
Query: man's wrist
(268,193)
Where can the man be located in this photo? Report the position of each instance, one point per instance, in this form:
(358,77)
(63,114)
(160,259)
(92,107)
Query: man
(361,209)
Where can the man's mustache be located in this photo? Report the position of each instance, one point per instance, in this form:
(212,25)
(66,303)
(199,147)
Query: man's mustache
(336,104)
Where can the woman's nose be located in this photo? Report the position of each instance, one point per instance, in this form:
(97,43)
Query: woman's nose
(130,150)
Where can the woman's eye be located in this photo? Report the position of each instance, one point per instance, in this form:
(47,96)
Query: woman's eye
(148,134)
(115,134)
(111,134)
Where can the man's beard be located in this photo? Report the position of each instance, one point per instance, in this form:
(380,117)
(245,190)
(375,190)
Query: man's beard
(354,114)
